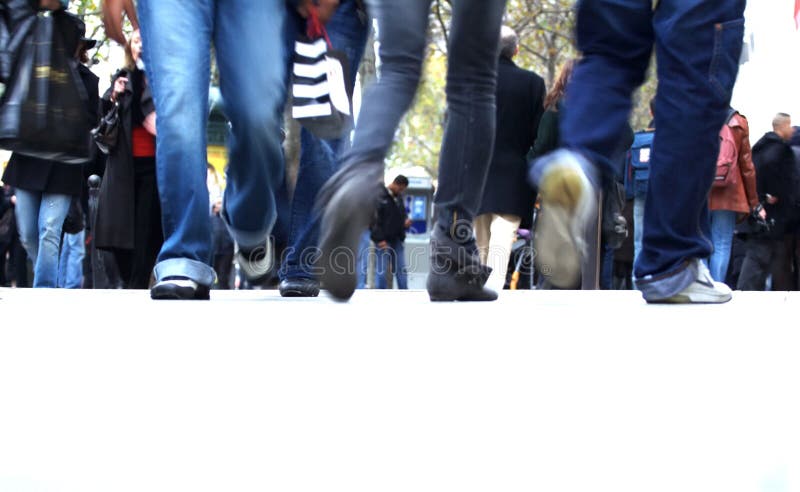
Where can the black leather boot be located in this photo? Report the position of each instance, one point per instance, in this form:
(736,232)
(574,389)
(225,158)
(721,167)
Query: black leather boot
(456,271)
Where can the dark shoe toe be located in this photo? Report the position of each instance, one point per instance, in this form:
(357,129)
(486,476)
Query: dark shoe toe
(348,210)
(299,287)
(179,288)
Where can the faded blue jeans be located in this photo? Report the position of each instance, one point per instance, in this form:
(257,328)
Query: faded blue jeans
(70,264)
(40,217)
(723,223)
(248,38)
(395,255)
(697,44)
(318,158)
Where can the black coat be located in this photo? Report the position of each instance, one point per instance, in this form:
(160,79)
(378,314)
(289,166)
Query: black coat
(776,176)
(390,219)
(40,175)
(520,99)
(116,209)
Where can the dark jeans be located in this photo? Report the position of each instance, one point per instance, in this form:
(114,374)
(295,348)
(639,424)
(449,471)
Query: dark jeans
(471,79)
(318,157)
(759,258)
(697,44)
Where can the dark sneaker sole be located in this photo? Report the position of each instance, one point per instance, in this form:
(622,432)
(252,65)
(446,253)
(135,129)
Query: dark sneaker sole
(176,293)
(347,216)
(298,292)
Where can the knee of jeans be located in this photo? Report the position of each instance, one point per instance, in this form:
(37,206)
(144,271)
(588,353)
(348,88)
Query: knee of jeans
(256,118)
(476,81)
(403,70)
(30,242)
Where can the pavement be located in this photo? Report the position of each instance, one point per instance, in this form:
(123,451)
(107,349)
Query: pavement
(540,391)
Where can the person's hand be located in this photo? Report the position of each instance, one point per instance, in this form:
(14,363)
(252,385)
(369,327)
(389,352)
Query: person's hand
(325,8)
(149,124)
(119,88)
(772,200)
(13,199)
(217,206)
(407,223)
(383,245)
(762,214)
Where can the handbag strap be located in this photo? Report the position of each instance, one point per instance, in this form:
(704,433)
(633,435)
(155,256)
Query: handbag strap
(316,29)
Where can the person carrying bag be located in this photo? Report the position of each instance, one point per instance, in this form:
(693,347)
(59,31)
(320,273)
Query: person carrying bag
(43,106)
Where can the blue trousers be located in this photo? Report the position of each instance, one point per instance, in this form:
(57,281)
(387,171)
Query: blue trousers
(318,158)
(698,45)
(248,38)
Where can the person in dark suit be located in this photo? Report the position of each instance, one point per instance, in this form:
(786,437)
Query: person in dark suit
(507,197)
(775,182)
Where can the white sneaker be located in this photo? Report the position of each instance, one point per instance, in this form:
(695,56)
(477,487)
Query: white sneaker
(704,290)
(569,202)
(258,262)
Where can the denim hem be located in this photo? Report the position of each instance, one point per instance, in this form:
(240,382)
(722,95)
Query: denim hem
(246,240)
(183,267)
(668,284)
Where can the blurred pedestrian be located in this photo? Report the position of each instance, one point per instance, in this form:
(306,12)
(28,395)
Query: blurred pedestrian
(775,182)
(347,31)
(697,44)
(348,199)
(44,189)
(508,199)
(732,199)
(247,39)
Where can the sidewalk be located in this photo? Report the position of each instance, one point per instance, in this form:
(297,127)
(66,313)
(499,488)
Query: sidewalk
(540,391)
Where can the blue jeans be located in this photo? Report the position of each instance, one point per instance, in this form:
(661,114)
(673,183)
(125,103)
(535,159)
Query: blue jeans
(471,80)
(363,260)
(248,38)
(40,217)
(318,157)
(70,265)
(394,255)
(638,224)
(723,222)
(697,45)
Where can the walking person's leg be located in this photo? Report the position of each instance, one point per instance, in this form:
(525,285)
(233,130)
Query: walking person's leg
(26,213)
(698,47)
(504,233)
(723,223)
(318,161)
(52,212)
(348,199)
(468,142)
(249,38)
(383,258)
(616,39)
(176,38)
(399,264)
(755,267)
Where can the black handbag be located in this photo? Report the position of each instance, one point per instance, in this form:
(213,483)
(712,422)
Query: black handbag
(43,109)
(105,135)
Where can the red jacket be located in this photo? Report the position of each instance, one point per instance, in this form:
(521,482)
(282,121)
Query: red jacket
(743,197)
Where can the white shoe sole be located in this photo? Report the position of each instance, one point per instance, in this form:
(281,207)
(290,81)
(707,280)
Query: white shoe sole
(568,203)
